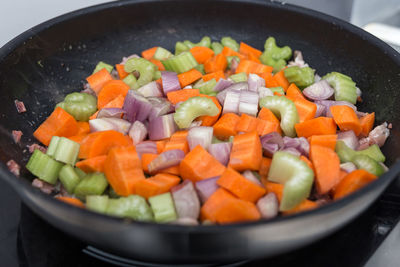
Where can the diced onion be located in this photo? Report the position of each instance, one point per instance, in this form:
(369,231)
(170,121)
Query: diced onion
(200,136)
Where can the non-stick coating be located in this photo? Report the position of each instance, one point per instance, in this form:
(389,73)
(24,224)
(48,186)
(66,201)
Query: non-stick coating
(42,65)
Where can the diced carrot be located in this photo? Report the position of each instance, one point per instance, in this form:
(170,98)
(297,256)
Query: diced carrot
(306,109)
(309,163)
(246,49)
(178,141)
(249,66)
(146,159)
(189,77)
(117,102)
(214,75)
(198,165)
(201,53)
(95,164)
(346,118)
(268,123)
(367,122)
(264,167)
(160,145)
(293,92)
(98,79)
(278,94)
(226,126)
(241,187)
(158,63)
(303,206)
(275,188)
(77,138)
(327,168)
(174,170)
(267,115)
(83,127)
(246,153)
(213,204)
(353,182)
(247,123)
(253,58)
(123,169)
(110,91)
(99,143)
(210,120)
(121,71)
(317,126)
(156,185)
(149,53)
(216,63)
(269,79)
(229,52)
(328,140)
(281,80)
(59,123)
(182,95)
(71,200)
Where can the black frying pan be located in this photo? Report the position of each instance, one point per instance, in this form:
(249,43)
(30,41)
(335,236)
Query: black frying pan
(43,64)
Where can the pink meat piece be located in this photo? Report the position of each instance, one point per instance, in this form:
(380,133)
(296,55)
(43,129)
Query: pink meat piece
(20,106)
(13,167)
(16,136)
(377,136)
(43,186)
(36,146)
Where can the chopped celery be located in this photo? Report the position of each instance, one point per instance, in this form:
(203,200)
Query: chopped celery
(66,151)
(366,163)
(205,41)
(163,208)
(79,172)
(180,47)
(80,105)
(278,90)
(200,68)
(285,109)
(275,56)
(92,184)
(157,75)
(229,42)
(130,80)
(345,88)
(180,63)
(266,59)
(102,65)
(133,206)
(69,178)
(193,108)
(51,149)
(217,47)
(44,167)
(302,77)
(207,88)
(346,154)
(97,203)
(295,175)
(145,68)
(162,53)
(239,77)
(230,58)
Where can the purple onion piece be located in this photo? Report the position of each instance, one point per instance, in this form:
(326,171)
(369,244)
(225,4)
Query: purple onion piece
(206,188)
(136,107)
(162,127)
(200,136)
(348,167)
(186,201)
(221,96)
(110,113)
(221,152)
(138,132)
(152,89)
(292,151)
(254,82)
(329,103)
(146,147)
(166,159)
(268,206)
(321,110)
(241,86)
(304,147)
(290,142)
(270,149)
(160,106)
(105,124)
(319,91)
(271,143)
(349,138)
(249,175)
(234,65)
(170,81)
(248,103)
(231,102)
(222,84)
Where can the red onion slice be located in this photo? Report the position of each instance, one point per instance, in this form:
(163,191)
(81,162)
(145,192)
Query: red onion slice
(186,201)
(234,65)
(110,113)
(292,151)
(200,136)
(146,147)
(348,167)
(160,106)
(138,132)
(20,106)
(221,152)
(162,127)
(170,81)
(231,102)
(222,84)
(304,147)
(105,124)
(321,110)
(290,142)
(319,91)
(249,175)
(136,107)
(206,188)
(166,159)
(254,82)
(349,138)
(151,89)
(271,143)
(268,206)
(248,103)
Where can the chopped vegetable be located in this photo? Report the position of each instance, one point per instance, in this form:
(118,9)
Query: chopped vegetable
(193,108)
(80,105)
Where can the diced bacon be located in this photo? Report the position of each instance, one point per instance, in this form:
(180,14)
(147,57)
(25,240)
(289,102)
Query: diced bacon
(16,136)
(36,146)
(20,106)
(13,167)
(43,186)
(377,136)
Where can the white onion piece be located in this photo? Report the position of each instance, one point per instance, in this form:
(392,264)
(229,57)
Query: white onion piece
(358,92)
(264,91)
(321,110)
(319,91)
(138,132)
(221,96)
(186,201)
(146,147)
(241,86)
(222,84)
(166,159)
(200,136)
(317,78)
(160,106)
(292,151)
(348,167)
(268,206)
(195,124)
(248,103)
(254,82)
(136,107)
(206,188)
(221,152)
(297,60)
(170,81)
(151,89)
(110,113)
(162,127)
(231,102)
(188,87)
(349,138)
(105,124)
(125,59)
(249,175)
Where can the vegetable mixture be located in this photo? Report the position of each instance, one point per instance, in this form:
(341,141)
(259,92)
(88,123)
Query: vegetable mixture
(219,132)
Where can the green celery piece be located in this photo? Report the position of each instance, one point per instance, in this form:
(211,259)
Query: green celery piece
(193,108)
(133,206)
(51,149)
(180,63)
(346,154)
(79,105)
(79,172)
(145,68)
(162,53)
(373,152)
(157,75)
(67,151)
(217,47)
(180,48)
(277,64)
(284,109)
(344,86)
(239,77)
(302,77)
(229,59)
(131,81)
(97,203)
(366,163)
(163,208)
(200,68)
(44,167)
(278,89)
(205,41)
(92,184)
(207,88)
(296,177)
(102,65)
(274,55)
(69,178)
(229,42)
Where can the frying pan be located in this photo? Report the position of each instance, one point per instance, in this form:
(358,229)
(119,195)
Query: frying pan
(45,63)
